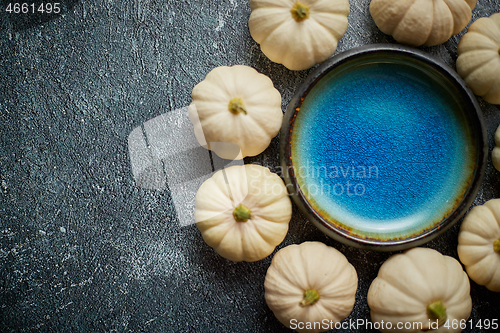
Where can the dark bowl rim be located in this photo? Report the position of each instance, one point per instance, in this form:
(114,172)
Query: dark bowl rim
(340,234)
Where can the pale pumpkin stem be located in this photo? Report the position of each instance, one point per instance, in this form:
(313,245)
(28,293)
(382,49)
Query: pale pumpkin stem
(437,311)
(496,245)
(300,12)
(310,297)
(236,106)
(242,213)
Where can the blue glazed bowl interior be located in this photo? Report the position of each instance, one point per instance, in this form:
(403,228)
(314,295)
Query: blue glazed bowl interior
(384,149)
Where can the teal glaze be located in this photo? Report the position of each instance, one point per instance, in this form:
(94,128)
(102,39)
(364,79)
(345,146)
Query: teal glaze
(383,149)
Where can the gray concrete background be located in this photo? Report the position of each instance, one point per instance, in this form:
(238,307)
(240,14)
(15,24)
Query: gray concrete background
(82,249)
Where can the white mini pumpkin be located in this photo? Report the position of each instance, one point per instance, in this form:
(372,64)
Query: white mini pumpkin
(495,154)
(238,105)
(478,60)
(420,287)
(421,22)
(479,244)
(298,34)
(308,284)
(243,212)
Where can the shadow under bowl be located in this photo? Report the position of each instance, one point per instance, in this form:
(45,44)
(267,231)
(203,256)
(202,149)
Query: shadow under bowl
(383,147)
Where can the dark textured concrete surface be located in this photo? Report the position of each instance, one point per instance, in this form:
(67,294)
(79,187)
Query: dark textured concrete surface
(82,249)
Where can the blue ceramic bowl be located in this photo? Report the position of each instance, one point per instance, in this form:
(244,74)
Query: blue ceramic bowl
(383,147)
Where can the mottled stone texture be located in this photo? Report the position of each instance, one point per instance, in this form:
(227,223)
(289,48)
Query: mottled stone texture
(82,249)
